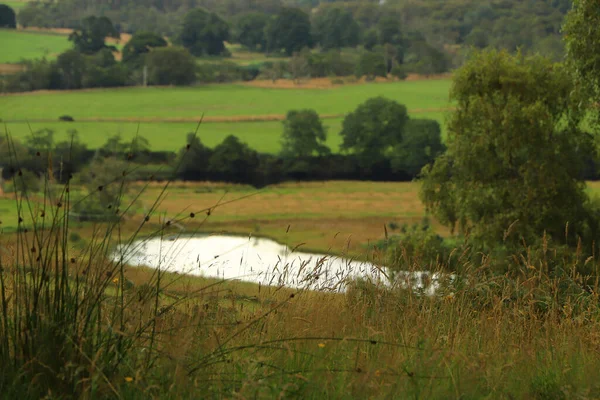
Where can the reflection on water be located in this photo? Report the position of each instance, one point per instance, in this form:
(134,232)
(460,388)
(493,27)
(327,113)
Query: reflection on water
(263,261)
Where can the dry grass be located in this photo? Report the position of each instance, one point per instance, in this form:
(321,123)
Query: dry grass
(332,216)
(328,83)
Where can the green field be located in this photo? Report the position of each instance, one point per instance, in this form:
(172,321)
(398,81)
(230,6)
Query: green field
(19,45)
(216,101)
(261,136)
(234,102)
(15,4)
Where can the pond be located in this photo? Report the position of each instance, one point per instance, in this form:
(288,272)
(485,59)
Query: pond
(264,261)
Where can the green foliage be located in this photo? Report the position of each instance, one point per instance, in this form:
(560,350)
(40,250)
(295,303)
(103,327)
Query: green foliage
(193,158)
(373,129)
(232,160)
(71,65)
(249,30)
(25,183)
(303,134)
(139,44)
(203,33)
(583,46)
(7,17)
(335,28)
(371,64)
(421,144)
(417,246)
(289,31)
(512,167)
(171,66)
(89,38)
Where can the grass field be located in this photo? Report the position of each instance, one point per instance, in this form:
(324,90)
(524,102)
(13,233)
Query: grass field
(166,115)
(261,136)
(16,4)
(232,101)
(22,45)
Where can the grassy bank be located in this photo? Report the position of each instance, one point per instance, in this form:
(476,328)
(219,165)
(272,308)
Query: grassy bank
(101,329)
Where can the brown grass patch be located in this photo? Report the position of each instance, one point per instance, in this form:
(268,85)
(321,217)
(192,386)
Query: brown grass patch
(125,37)
(328,83)
(7,69)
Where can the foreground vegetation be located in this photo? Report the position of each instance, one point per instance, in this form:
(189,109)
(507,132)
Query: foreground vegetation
(83,325)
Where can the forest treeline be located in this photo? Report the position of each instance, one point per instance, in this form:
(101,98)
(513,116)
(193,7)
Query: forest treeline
(531,24)
(318,40)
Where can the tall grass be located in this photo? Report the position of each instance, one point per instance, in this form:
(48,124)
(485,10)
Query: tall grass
(77,322)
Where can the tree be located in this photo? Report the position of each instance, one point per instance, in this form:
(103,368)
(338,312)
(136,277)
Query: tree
(204,33)
(389,33)
(139,44)
(371,64)
(583,46)
(249,30)
(511,171)
(335,28)
(8,18)
(233,161)
(89,38)
(303,134)
(373,129)
(171,66)
(421,144)
(71,66)
(370,39)
(289,31)
(193,159)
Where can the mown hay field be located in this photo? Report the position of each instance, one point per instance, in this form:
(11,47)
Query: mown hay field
(166,115)
(16,4)
(25,45)
(236,101)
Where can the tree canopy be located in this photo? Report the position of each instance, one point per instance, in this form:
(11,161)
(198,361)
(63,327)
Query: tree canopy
(139,44)
(335,28)
(171,66)
(90,36)
(249,30)
(204,33)
(511,172)
(289,31)
(373,129)
(303,134)
(8,17)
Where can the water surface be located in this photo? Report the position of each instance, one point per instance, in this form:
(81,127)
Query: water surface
(264,261)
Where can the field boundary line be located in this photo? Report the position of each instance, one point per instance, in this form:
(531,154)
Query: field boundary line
(213,119)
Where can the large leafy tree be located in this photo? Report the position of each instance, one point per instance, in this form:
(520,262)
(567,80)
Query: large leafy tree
(335,28)
(420,145)
(7,17)
(390,33)
(373,129)
(139,44)
(233,161)
(582,39)
(511,172)
(90,37)
(204,33)
(249,30)
(289,31)
(303,134)
(171,66)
